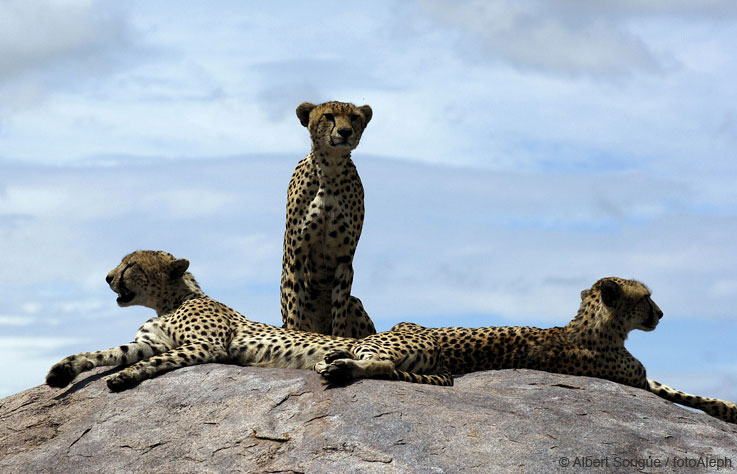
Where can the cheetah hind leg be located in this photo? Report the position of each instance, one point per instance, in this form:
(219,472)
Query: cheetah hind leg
(358,322)
(341,367)
(721,409)
(409,327)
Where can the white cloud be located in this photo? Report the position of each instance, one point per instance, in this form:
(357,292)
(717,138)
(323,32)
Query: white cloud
(571,37)
(51,46)
(31,200)
(60,31)
(715,9)
(32,345)
(30,307)
(12,320)
(81,306)
(537,36)
(190,202)
(233,87)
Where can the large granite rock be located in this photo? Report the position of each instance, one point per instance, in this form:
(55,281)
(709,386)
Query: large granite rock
(220,418)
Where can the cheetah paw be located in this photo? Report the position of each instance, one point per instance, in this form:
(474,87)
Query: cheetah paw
(338,371)
(60,375)
(335,354)
(121,381)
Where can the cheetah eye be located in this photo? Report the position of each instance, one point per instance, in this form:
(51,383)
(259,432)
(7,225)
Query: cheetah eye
(330,117)
(126,268)
(355,117)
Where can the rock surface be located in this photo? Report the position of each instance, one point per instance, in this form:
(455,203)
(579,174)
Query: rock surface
(221,418)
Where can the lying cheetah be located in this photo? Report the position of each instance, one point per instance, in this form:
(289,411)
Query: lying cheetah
(324,221)
(191,328)
(591,344)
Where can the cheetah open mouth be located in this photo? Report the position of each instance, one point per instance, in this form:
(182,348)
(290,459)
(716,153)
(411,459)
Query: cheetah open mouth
(124,295)
(124,298)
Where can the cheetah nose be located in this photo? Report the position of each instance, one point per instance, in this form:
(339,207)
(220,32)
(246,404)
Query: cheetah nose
(345,132)
(659,312)
(109,279)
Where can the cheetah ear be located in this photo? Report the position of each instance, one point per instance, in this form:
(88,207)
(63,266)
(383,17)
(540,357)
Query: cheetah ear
(303,112)
(610,292)
(367,113)
(177,268)
(585,294)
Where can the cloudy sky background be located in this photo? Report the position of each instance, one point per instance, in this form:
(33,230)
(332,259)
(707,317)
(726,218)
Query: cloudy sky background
(519,151)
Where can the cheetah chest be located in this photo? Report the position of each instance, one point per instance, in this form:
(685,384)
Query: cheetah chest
(327,231)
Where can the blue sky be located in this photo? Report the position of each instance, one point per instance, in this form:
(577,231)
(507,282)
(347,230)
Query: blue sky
(519,151)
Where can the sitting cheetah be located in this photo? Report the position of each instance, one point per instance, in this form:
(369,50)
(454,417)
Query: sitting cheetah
(191,328)
(592,344)
(324,221)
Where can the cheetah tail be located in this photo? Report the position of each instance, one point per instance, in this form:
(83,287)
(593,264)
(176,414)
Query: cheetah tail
(721,409)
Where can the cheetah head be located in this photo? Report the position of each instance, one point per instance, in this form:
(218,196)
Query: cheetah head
(628,302)
(144,276)
(334,126)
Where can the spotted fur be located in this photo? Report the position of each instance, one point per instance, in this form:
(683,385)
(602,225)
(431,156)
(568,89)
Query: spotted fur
(325,212)
(592,344)
(191,329)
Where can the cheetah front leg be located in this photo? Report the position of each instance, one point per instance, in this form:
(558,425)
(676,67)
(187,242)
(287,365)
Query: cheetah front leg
(340,299)
(715,407)
(293,295)
(189,354)
(64,371)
